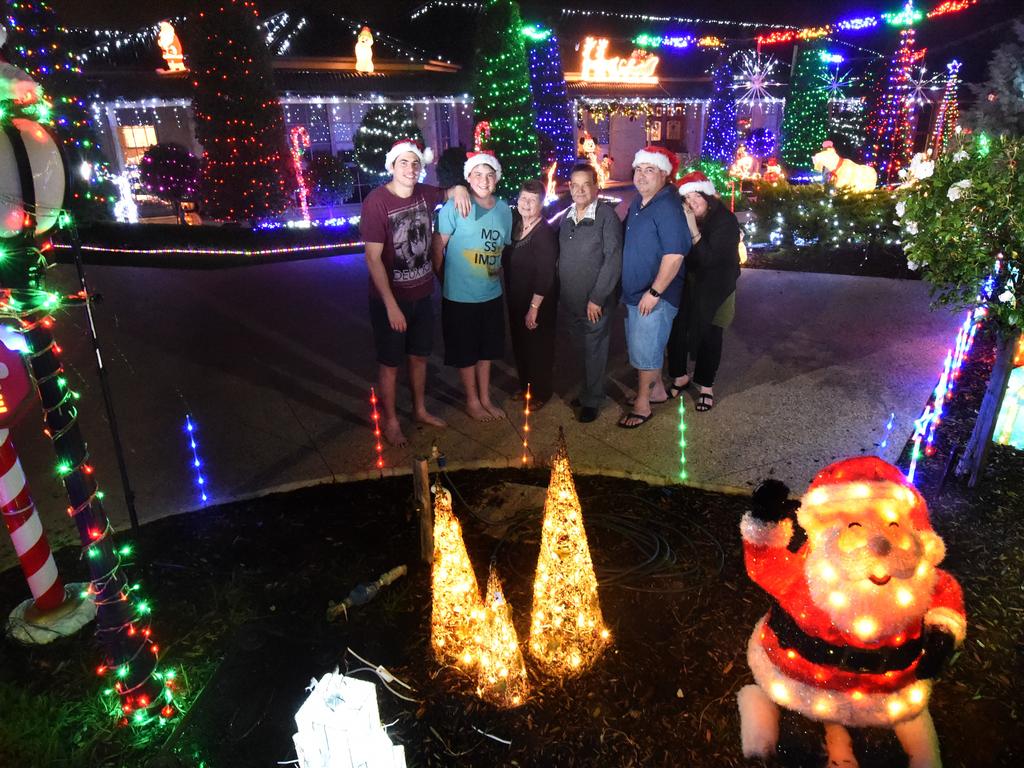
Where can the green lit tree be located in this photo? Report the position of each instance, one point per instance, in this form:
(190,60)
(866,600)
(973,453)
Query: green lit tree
(999,101)
(382,126)
(501,94)
(239,121)
(805,123)
(37,44)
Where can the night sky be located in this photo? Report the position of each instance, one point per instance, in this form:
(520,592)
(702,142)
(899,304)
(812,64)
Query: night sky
(970,35)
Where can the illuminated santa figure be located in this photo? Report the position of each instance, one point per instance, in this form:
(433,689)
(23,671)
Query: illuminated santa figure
(861,621)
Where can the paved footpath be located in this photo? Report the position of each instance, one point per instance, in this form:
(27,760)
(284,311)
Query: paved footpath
(275,365)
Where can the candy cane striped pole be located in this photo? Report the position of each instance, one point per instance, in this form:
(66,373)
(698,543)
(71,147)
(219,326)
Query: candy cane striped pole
(19,512)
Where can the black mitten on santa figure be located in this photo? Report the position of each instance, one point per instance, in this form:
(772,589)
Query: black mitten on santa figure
(771,502)
(938,648)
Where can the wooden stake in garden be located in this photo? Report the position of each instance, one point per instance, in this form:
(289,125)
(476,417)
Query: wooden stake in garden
(456,611)
(501,678)
(567,630)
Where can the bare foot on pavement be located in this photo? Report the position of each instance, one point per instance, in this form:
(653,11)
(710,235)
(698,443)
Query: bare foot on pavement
(479,413)
(393,434)
(494,410)
(425,417)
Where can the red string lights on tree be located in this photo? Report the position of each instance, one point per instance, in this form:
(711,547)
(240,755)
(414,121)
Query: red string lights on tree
(298,139)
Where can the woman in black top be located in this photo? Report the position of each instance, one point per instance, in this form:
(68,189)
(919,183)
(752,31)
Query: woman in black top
(709,295)
(531,294)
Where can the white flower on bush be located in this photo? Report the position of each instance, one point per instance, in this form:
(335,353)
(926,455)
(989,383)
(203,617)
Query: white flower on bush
(912,265)
(911,227)
(959,156)
(956,191)
(901,208)
(1007,297)
(921,168)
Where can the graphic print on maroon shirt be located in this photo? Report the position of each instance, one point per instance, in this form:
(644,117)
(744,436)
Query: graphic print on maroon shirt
(404,225)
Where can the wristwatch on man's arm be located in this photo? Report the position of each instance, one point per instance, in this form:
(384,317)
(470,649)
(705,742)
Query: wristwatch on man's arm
(655,293)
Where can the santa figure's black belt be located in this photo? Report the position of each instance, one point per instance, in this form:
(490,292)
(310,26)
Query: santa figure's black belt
(817,651)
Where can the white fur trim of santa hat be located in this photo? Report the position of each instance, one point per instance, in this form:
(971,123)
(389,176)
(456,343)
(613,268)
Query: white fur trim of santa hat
(695,181)
(762,534)
(401,146)
(483,157)
(659,157)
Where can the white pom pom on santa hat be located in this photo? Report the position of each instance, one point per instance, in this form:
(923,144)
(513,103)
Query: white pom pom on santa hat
(695,181)
(401,146)
(659,157)
(483,157)
(3,35)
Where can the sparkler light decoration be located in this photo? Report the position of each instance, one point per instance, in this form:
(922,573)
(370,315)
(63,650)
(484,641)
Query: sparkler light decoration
(922,87)
(567,630)
(456,611)
(836,83)
(754,76)
(501,678)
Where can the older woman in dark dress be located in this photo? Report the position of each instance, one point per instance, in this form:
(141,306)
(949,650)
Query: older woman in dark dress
(531,294)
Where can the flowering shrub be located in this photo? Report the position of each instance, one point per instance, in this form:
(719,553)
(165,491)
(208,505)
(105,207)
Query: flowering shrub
(963,217)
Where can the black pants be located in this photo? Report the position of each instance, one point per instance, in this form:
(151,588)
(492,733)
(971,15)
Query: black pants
(708,352)
(534,350)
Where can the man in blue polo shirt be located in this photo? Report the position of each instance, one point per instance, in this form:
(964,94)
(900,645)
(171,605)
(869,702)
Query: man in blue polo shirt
(656,240)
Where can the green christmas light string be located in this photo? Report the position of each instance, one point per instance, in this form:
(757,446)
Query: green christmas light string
(806,117)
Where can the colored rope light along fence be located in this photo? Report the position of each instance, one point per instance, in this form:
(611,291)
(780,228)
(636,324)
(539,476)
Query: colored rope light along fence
(928,422)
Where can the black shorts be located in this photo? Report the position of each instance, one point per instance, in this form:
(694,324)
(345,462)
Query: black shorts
(418,337)
(472,332)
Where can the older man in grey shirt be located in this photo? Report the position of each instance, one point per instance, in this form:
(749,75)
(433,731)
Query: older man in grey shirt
(589,270)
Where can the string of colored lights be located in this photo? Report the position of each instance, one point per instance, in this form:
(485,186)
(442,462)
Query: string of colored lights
(196,463)
(254,252)
(298,138)
(949,111)
(908,16)
(928,422)
(375,417)
(526,425)
(889,134)
(550,100)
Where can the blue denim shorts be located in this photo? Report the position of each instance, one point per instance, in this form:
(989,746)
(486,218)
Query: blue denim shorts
(647,336)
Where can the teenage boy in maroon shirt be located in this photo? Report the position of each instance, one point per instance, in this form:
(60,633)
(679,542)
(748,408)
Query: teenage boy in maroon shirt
(396,224)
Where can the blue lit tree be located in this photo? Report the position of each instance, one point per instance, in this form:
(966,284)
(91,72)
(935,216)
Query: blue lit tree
(721,137)
(550,100)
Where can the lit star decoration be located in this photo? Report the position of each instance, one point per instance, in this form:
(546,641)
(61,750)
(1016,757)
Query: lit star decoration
(456,609)
(754,77)
(567,630)
(501,677)
(197,465)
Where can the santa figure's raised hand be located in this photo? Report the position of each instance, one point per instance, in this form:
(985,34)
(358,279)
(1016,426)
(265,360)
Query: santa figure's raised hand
(861,618)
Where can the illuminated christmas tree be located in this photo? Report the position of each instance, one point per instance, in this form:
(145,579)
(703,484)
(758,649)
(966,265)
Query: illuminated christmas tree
(456,612)
(382,126)
(889,134)
(171,172)
(721,136)
(804,124)
(948,115)
(38,45)
(501,678)
(550,101)
(501,94)
(239,121)
(846,120)
(567,631)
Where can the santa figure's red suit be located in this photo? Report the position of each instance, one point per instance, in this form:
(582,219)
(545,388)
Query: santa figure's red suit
(861,619)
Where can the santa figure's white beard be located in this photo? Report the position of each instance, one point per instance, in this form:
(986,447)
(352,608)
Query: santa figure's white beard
(839,585)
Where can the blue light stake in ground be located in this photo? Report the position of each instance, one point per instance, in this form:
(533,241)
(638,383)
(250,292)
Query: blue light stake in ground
(196,463)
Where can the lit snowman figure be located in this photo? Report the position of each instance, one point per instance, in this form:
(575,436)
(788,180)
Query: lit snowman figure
(862,620)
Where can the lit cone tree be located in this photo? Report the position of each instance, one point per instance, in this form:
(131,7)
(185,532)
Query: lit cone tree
(949,111)
(456,612)
(382,126)
(805,121)
(239,121)
(889,134)
(501,677)
(567,631)
(501,94)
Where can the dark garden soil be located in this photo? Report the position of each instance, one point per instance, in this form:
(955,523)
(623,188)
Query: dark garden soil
(861,262)
(240,592)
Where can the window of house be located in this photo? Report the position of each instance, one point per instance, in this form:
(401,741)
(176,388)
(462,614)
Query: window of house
(135,140)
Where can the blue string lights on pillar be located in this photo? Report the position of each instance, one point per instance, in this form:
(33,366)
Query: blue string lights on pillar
(550,100)
(721,137)
(197,464)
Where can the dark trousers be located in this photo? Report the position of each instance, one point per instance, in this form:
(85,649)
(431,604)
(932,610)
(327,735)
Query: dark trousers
(593,338)
(534,351)
(708,352)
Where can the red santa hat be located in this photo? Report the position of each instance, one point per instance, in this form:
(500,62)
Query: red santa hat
(695,181)
(659,157)
(483,157)
(407,145)
(861,481)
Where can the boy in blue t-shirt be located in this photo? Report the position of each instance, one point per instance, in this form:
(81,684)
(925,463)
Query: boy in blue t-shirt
(472,316)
